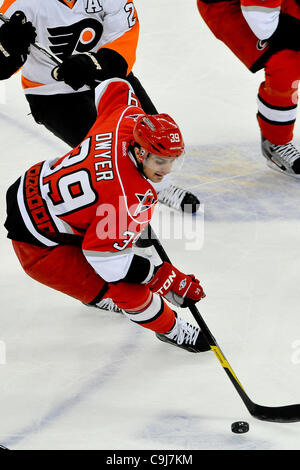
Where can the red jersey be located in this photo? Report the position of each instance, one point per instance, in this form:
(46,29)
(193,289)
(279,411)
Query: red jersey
(95,192)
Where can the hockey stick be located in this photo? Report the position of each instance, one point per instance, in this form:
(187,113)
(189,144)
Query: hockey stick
(37,45)
(277,414)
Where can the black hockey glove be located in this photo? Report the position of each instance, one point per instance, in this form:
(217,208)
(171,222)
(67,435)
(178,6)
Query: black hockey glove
(17,35)
(78,70)
(90,68)
(286,35)
(9,64)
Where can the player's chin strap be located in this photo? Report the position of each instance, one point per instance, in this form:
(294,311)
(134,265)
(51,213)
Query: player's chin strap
(280,414)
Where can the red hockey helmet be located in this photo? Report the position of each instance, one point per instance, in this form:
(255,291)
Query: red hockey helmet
(159,134)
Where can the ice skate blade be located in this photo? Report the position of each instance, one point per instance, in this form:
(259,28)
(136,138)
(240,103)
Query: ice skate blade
(276,168)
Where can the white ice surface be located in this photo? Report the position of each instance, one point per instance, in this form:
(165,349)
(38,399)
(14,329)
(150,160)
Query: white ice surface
(80,378)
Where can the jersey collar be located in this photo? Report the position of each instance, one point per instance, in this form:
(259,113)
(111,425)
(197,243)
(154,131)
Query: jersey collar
(68,3)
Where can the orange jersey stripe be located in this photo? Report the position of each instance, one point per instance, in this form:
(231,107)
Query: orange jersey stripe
(5,5)
(26,83)
(126,45)
(69,4)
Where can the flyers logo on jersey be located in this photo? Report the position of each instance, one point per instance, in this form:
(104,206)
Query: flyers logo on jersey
(145,202)
(78,37)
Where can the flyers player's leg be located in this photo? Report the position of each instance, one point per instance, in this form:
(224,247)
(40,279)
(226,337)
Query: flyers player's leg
(68,116)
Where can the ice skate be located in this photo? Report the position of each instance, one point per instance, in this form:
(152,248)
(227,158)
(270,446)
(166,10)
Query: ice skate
(109,305)
(179,199)
(185,336)
(282,158)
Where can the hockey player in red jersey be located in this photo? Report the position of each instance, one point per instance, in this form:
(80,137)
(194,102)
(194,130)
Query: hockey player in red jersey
(266,34)
(73,220)
(96,40)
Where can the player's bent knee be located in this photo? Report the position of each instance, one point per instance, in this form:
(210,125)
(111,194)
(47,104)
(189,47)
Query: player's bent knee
(130,297)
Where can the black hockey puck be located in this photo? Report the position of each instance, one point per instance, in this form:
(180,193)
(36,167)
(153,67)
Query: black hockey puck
(240,427)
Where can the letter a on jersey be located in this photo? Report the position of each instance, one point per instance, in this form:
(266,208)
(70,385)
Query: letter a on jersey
(93,6)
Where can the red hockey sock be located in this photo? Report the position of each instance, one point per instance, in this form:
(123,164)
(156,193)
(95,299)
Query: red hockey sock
(142,306)
(278,98)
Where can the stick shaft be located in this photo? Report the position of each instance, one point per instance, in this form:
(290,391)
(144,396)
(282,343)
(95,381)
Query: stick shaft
(275,414)
(206,331)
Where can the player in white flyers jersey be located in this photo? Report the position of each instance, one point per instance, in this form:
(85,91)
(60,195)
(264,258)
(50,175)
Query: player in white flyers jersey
(96,40)
(73,220)
(73,30)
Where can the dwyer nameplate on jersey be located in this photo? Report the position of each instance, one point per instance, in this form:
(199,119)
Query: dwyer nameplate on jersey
(103,165)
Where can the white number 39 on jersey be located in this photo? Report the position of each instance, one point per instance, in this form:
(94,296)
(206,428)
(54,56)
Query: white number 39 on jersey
(175,137)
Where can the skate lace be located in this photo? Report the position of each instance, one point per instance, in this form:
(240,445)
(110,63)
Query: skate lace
(288,153)
(185,332)
(172,196)
(108,304)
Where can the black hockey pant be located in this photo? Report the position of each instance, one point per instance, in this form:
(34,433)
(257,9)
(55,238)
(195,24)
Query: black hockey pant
(70,116)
